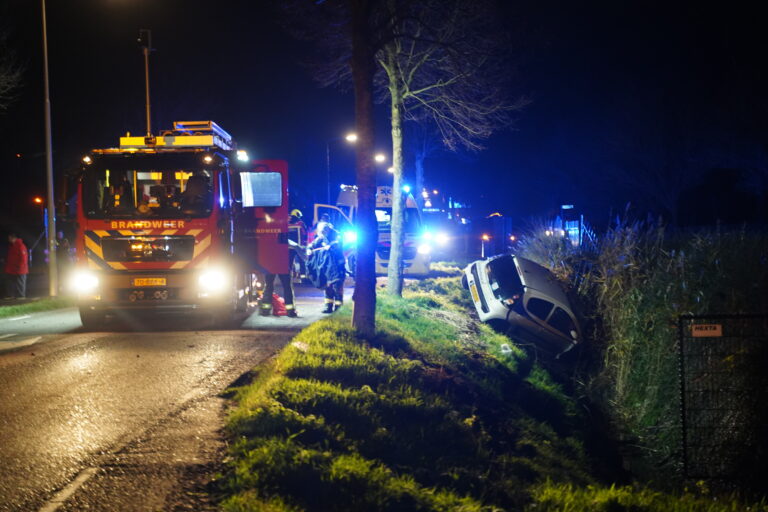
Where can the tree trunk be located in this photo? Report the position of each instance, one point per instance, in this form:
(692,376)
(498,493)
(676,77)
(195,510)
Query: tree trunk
(395,269)
(362,64)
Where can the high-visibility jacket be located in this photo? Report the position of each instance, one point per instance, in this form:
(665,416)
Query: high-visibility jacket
(17,261)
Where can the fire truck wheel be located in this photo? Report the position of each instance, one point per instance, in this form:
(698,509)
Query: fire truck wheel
(91,320)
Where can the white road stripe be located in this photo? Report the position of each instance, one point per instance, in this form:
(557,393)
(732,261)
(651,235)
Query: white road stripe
(62,496)
(18,318)
(9,345)
(2,337)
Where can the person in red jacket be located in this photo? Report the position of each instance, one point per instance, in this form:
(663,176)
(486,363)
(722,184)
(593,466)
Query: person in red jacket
(17,267)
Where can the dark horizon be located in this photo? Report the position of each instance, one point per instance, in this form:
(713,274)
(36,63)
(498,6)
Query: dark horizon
(658,106)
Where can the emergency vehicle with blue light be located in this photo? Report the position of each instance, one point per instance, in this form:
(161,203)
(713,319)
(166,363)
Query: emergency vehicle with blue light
(417,241)
(181,221)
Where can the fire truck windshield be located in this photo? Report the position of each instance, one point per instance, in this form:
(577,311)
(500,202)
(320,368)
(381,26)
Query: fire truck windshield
(130,193)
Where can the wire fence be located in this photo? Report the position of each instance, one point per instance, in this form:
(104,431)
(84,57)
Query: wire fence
(723,396)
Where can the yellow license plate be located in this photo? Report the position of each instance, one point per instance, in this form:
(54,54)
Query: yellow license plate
(473,291)
(149,281)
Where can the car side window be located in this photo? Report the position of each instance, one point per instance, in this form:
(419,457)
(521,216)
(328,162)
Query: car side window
(539,308)
(562,321)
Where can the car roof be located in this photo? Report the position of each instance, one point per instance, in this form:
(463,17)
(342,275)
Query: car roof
(538,278)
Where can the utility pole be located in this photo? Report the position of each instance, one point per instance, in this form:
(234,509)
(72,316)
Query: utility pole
(53,282)
(145,41)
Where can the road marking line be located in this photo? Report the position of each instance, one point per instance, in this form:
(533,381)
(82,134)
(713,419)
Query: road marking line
(62,496)
(18,318)
(7,335)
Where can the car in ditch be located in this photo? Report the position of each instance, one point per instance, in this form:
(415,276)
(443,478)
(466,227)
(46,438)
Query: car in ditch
(523,299)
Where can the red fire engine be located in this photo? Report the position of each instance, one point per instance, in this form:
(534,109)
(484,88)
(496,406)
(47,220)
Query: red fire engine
(178,221)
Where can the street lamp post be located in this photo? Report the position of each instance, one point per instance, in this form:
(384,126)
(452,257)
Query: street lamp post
(53,284)
(484,239)
(351,138)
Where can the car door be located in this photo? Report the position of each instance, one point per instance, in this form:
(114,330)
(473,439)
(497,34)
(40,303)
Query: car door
(538,309)
(564,324)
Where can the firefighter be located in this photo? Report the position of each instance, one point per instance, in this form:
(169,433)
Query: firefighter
(266,308)
(327,266)
(297,239)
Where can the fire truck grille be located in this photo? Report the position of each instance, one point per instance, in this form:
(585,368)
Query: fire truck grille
(147,294)
(148,248)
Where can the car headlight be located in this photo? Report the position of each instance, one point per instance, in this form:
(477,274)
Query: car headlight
(213,280)
(83,282)
(424,249)
(441,239)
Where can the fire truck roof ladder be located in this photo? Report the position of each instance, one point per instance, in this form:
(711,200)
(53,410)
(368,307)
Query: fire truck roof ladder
(202,128)
(185,134)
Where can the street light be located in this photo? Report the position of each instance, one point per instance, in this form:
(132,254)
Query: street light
(380,157)
(484,239)
(351,137)
(53,284)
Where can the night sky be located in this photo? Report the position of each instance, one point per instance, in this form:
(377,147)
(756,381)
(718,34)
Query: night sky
(661,105)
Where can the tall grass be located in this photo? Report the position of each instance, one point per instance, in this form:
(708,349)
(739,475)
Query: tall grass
(631,289)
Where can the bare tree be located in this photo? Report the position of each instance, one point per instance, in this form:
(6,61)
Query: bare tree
(10,75)
(441,66)
(362,65)
(422,142)
(346,34)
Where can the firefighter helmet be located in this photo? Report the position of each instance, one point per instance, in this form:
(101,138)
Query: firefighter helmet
(296,213)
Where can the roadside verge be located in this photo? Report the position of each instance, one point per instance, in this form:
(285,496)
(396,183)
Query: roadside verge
(435,413)
(27,306)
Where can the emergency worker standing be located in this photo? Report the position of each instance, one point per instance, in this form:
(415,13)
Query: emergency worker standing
(17,266)
(297,239)
(327,265)
(266,307)
(296,230)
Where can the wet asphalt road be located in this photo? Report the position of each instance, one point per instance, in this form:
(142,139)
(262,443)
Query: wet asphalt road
(126,419)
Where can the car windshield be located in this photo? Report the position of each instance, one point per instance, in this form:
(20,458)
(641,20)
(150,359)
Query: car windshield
(410,223)
(504,279)
(147,193)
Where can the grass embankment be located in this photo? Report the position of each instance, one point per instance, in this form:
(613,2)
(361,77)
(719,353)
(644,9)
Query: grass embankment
(632,286)
(35,306)
(435,413)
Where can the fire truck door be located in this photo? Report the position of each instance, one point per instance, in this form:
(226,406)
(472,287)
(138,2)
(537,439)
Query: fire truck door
(261,227)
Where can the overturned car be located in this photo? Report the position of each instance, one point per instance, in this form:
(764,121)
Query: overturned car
(525,300)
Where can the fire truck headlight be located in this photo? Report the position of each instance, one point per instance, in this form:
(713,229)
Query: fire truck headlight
(441,239)
(213,280)
(427,235)
(424,249)
(83,282)
(349,237)
(242,155)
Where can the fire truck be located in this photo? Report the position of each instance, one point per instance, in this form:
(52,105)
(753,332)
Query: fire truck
(181,221)
(417,243)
